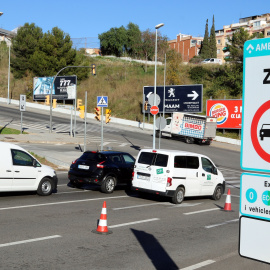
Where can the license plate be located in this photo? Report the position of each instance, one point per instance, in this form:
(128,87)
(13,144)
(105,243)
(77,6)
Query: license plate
(84,167)
(143,177)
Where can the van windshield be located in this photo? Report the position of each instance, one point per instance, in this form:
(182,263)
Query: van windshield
(153,159)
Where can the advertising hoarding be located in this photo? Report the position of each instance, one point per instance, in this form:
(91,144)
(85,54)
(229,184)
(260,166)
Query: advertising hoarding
(178,98)
(64,87)
(227,111)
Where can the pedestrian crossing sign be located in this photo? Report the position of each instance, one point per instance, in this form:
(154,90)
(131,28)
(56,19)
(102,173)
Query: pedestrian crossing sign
(102,101)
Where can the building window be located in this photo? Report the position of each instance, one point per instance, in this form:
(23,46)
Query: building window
(256,24)
(218,51)
(268,33)
(218,41)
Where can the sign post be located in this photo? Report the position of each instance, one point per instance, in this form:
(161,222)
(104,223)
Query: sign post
(255,152)
(22,108)
(102,101)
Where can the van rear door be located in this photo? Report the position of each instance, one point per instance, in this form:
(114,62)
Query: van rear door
(6,170)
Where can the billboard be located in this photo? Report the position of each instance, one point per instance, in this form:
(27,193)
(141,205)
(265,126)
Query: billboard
(64,87)
(178,98)
(227,111)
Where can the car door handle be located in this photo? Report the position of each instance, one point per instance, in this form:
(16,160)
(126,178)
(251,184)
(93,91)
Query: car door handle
(203,174)
(17,171)
(8,170)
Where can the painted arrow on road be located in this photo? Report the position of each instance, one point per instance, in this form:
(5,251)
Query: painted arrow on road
(194,95)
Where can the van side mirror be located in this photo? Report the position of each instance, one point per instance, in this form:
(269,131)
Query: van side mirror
(34,163)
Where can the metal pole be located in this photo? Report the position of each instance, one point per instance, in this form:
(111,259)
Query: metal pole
(101,146)
(75,113)
(164,87)
(85,112)
(159,131)
(143,111)
(155,94)
(21,122)
(71,112)
(8,100)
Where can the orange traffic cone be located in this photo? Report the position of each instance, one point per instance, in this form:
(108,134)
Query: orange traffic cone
(102,224)
(228,205)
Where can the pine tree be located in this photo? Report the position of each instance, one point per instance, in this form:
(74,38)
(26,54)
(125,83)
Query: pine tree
(212,41)
(205,44)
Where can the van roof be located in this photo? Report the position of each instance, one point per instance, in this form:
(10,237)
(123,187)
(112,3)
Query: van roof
(10,145)
(167,151)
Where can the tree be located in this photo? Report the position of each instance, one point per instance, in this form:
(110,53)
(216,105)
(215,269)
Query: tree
(174,60)
(24,45)
(205,51)
(114,41)
(212,41)
(133,39)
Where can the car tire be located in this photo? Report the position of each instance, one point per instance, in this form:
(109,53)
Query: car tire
(157,133)
(217,193)
(189,140)
(45,187)
(108,185)
(178,196)
(261,138)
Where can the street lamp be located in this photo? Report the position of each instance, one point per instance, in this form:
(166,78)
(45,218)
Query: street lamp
(155,87)
(1,13)
(8,99)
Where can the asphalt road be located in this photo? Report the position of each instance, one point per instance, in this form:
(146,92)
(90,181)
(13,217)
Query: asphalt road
(148,232)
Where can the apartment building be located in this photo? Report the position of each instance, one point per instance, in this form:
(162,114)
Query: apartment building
(253,24)
(6,35)
(186,45)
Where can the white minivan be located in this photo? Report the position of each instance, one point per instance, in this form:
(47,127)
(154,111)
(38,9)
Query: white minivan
(20,171)
(177,174)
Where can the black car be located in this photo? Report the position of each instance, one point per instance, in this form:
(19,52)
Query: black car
(265,131)
(104,168)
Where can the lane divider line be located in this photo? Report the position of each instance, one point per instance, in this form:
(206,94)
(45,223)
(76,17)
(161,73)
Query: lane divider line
(199,265)
(131,223)
(202,211)
(140,205)
(65,202)
(220,224)
(29,241)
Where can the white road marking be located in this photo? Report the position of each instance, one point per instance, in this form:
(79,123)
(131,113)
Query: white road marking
(65,202)
(232,182)
(201,211)
(61,172)
(235,196)
(220,224)
(232,178)
(140,205)
(62,185)
(198,265)
(123,144)
(83,190)
(131,223)
(185,205)
(29,241)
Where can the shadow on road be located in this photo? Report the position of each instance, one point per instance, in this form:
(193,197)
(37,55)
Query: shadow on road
(1,130)
(155,252)
(136,147)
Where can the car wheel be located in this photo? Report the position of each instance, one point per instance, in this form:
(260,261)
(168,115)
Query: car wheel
(157,133)
(217,193)
(108,185)
(45,187)
(261,138)
(189,140)
(178,196)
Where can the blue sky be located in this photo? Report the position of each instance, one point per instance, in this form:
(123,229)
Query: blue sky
(84,18)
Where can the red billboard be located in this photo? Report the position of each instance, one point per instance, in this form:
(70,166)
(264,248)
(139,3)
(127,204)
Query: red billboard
(227,111)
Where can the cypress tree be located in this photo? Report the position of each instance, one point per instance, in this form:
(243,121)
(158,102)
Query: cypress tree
(205,44)
(212,41)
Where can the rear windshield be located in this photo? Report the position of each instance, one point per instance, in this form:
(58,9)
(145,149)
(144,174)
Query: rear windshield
(92,156)
(153,159)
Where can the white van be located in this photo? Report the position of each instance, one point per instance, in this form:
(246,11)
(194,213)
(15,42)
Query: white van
(212,61)
(20,171)
(177,174)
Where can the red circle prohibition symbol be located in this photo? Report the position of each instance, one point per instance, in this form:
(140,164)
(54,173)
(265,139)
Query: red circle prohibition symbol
(254,126)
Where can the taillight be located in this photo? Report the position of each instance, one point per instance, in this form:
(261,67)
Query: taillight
(169,181)
(154,151)
(74,161)
(100,165)
(132,176)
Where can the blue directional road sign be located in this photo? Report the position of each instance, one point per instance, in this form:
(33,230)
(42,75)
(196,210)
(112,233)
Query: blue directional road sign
(102,101)
(178,98)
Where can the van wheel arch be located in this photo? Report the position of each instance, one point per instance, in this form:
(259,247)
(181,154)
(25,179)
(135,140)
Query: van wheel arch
(45,186)
(178,195)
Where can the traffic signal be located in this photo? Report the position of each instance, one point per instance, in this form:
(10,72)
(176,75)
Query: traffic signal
(47,100)
(79,103)
(97,113)
(81,111)
(108,115)
(54,103)
(93,69)
(145,105)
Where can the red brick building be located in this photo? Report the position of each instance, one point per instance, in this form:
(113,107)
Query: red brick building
(186,45)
